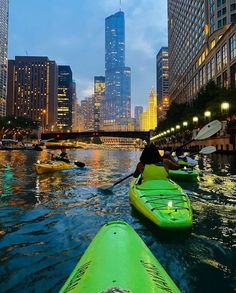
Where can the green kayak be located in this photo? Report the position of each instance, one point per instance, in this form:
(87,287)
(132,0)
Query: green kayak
(187,174)
(163,202)
(118,261)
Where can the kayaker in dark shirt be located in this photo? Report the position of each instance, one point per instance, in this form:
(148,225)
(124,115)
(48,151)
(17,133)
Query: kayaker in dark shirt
(61,157)
(152,166)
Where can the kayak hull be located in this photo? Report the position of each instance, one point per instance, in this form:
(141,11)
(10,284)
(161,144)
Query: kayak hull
(184,174)
(163,202)
(117,260)
(42,168)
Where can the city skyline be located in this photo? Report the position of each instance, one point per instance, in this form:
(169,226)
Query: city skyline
(83,49)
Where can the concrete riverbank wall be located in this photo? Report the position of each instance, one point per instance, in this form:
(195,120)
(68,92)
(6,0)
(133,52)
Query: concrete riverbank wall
(223,144)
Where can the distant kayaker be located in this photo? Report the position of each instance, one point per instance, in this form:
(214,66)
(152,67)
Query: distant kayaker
(63,156)
(184,160)
(152,166)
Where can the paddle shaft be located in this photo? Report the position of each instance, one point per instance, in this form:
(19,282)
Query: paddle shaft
(121,180)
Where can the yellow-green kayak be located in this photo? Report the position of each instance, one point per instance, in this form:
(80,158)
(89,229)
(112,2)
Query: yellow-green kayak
(118,261)
(163,202)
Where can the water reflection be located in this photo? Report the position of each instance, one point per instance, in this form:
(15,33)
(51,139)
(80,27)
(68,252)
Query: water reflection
(47,221)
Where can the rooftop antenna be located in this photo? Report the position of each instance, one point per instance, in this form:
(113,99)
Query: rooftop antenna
(120,5)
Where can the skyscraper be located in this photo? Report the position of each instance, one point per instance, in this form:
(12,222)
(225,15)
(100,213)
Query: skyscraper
(148,119)
(99,95)
(65,95)
(32,89)
(200,33)
(117,103)
(138,110)
(4,7)
(162,71)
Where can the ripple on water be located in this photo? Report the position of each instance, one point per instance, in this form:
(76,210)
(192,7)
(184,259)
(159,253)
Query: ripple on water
(47,221)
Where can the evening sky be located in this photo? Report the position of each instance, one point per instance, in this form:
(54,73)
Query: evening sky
(72,32)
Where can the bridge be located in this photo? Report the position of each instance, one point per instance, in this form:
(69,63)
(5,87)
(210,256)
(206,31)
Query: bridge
(144,135)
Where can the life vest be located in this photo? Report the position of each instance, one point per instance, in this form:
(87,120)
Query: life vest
(153,172)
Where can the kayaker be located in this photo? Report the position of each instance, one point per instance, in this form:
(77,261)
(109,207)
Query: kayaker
(63,156)
(152,166)
(184,160)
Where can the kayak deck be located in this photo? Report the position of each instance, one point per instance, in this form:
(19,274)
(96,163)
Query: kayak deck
(184,174)
(163,202)
(117,260)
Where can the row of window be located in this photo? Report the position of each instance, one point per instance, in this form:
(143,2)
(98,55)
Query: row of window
(214,66)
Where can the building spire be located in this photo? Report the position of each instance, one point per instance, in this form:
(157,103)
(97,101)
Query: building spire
(120,5)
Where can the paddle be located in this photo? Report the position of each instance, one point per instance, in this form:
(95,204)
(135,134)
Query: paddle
(109,186)
(79,164)
(207,150)
(207,131)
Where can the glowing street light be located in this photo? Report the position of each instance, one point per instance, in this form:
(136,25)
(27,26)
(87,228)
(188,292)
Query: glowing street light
(195,119)
(168,131)
(172,129)
(207,114)
(185,123)
(224,107)
(177,127)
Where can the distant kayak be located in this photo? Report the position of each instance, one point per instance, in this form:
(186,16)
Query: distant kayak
(117,260)
(187,174)
(52,166)
(163,202)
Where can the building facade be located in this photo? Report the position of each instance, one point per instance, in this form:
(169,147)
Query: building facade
(65,98)
(195,28)
(4,9)
(162,74)
(87,112)
(99,96)
(117,102)
(32,89)
(138,110)
(148,119)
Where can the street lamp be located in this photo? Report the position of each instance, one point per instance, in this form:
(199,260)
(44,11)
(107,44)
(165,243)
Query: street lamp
(224,107)
(195,119)
(172,129)
(207,115)
(177,127)
(168,131)
(185,123)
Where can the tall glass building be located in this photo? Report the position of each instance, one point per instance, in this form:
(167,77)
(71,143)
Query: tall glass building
(162,69)
(117,103)
(4,6)
(64,99)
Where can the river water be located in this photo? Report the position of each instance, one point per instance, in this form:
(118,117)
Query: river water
(47,221)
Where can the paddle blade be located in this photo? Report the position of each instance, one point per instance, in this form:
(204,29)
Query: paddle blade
(208,150)
(106,188)
(208,130)
(79,164)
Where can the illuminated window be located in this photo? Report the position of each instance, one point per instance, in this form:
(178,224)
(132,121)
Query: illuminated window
(232,47)
(213,43)
(224,55)
(218,61)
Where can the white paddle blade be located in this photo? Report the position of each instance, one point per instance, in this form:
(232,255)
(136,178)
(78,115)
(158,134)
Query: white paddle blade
(208,130)
(208,150)
(106,187)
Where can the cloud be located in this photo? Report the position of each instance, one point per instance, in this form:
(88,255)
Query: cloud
(75,35)
(84,88)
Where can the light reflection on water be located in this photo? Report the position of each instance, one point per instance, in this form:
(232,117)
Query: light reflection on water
(47,221)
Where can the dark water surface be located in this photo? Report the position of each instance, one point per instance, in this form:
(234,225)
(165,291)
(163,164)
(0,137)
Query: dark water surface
(47,221)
